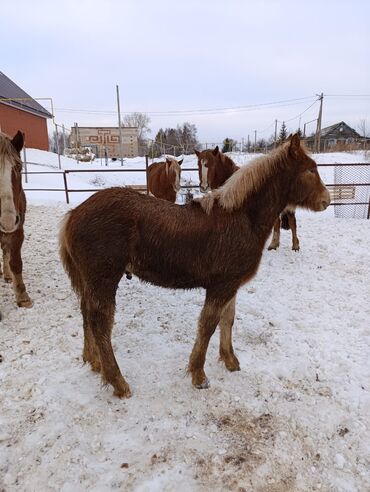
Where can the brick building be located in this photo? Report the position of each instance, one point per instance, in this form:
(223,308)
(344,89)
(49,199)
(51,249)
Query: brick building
(106,139)
(18,111)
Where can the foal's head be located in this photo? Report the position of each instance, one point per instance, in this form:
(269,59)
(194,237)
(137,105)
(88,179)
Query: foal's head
(306,190)
(10,182)
(173,171)
(207,162)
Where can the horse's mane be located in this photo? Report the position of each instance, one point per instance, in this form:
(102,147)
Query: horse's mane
(247,180)
(173,165)
(7,152)
(226,160)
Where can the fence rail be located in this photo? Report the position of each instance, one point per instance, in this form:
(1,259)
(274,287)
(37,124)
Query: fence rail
(346,192)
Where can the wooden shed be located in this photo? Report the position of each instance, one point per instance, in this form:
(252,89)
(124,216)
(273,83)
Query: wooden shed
(18,111)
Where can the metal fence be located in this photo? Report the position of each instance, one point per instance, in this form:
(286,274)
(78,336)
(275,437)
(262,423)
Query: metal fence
(348,184)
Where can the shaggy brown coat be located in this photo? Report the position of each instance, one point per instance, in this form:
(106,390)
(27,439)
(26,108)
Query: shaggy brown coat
(216,244)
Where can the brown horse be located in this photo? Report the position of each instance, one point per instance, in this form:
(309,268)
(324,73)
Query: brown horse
(164,179)
(214,169)
(13,210)
(215,243)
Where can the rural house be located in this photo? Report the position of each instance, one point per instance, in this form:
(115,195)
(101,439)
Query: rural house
(18,111)
(106,140)
(334,134)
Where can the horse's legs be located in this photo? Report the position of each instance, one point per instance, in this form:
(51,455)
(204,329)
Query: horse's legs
(208,321)
(99,318)
(275,242)
(6,267)
(226,347)
(16,265)
(90,351)
(293,226)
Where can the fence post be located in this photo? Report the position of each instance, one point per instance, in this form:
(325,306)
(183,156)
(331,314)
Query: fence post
(66,186)
(146,174)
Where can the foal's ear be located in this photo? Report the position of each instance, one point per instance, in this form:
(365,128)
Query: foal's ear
(295,145)
(18,141)
(168,160)
(197,152)
(180,162)
(216,150)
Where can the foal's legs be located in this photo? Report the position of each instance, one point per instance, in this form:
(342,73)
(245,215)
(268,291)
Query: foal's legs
(208,321)
(90,351)
(98,306)
(226,347)
(293,226)
(15,265)
(275,242)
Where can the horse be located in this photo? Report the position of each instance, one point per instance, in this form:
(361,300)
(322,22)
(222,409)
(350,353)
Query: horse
(12,216)
(215,168)
(164,179)
(214,243)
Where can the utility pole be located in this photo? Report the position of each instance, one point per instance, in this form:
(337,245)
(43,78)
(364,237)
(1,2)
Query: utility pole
(275,137)
(255,140)
(119,126)
(318,127)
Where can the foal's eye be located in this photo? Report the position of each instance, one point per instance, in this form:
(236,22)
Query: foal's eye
(313,171)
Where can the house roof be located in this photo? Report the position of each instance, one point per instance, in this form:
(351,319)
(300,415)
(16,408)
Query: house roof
(332,128)
(10,90)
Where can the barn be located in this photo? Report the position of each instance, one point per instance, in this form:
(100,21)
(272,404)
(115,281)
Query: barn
(18,111)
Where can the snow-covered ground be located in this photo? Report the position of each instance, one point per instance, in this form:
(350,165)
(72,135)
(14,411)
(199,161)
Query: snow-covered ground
(295,418)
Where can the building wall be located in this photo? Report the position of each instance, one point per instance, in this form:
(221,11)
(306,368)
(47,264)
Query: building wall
(34,127)
(102,139)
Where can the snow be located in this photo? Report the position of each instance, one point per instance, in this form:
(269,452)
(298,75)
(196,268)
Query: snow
(296,417)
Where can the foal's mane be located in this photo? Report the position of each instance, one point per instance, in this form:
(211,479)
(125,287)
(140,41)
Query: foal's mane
(247,180)
(7,152)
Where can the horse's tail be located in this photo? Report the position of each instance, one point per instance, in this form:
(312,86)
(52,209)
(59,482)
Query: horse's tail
(67,258)
(284,221)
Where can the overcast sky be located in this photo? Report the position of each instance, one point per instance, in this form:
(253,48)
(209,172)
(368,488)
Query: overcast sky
(181,57)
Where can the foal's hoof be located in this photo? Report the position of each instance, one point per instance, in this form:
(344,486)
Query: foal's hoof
(205,385)
(272,247)
(8,280)
(26,303)
(123,392)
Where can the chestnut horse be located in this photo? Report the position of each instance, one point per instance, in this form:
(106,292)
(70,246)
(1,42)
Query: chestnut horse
(215,243)
(164,179)
(215,168)
(13,210)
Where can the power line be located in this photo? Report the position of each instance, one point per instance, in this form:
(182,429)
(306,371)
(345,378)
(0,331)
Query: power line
(249,107)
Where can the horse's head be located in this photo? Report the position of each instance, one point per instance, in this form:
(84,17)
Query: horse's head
(307,190)
(207,160)
(173,170)
(10,182)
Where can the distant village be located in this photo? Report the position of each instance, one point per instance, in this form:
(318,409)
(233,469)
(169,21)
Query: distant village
(19,111)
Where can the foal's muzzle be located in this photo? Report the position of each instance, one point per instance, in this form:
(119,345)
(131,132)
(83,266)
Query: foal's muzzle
(9,228)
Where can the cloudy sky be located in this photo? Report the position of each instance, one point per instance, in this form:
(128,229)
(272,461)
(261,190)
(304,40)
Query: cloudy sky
(229,66)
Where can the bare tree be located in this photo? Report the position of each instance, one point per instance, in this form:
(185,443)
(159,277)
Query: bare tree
(363,128)
(141,122)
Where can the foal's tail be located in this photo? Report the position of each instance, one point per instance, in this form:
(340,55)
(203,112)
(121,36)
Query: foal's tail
(67,258)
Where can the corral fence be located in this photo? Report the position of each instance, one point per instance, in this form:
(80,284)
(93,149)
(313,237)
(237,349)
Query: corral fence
(348,184)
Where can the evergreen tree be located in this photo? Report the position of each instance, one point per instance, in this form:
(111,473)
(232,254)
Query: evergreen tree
(283,133)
